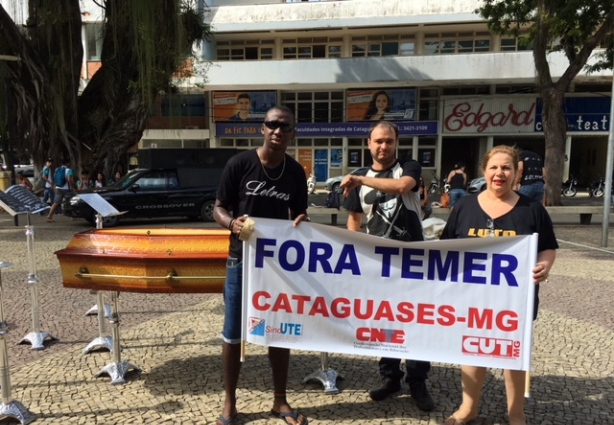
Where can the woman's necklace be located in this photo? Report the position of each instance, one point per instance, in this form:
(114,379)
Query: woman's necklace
(264,168)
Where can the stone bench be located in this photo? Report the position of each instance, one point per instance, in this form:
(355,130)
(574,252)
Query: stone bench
(333,212)
(586,211)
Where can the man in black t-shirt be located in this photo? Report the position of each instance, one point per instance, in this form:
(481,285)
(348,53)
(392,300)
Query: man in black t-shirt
(531,175)
(387,194)
(262,182)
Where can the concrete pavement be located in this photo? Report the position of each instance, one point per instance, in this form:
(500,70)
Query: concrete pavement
(175,340)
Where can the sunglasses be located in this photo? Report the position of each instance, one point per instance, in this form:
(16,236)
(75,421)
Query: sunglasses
(274,125)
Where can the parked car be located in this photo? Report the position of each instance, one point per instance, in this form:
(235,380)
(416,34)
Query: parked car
(334,182)
(151,193)
(476,185)
(28,170)
(20,165)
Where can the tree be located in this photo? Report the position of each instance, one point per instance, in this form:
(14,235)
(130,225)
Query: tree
(575,27)
(145,42)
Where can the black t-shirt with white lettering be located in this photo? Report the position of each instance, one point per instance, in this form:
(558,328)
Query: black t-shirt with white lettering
(246,189)
(532,165)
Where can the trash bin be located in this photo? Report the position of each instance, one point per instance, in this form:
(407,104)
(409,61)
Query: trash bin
(5,180)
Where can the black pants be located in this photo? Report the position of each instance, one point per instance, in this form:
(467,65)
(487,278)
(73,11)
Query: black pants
(416,370)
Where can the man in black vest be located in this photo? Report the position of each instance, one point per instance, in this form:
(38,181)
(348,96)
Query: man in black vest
(386,194)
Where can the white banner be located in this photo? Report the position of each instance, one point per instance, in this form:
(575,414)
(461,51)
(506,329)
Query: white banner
(321,288)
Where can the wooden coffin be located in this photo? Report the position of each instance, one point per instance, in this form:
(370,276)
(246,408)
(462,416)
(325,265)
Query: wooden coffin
(146,260)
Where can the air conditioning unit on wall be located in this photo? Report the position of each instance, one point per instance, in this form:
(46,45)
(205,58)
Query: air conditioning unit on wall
(191,127)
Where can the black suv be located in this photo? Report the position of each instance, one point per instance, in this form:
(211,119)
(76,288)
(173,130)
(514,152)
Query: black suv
(152,193)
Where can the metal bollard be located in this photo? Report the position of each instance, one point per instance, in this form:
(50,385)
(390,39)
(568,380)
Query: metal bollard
(8,407)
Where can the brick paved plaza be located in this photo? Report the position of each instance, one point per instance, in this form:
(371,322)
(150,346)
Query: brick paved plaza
(175,340)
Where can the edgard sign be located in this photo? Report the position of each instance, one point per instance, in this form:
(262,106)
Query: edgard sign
(357,129)
(583,114)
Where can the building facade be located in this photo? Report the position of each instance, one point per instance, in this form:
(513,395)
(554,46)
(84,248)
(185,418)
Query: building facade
(454,89)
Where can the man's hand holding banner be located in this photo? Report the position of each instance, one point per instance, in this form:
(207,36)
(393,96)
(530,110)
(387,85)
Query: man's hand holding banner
(320,288)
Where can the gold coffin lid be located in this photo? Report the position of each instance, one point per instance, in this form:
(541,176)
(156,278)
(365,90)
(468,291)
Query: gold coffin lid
(146,260)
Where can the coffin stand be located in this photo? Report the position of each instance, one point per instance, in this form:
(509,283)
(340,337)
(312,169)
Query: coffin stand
(143,260)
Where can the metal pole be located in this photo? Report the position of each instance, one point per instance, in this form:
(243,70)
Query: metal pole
(103,341)
(115,327)
(8,407)
(5,379)
(116,369)
(33,280)
(36,338)
(608,174)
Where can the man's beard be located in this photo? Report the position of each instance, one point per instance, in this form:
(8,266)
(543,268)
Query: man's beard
(388,161)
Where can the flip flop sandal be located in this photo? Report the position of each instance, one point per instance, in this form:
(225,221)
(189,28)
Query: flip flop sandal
(452,420)
(227,421)
(294,415)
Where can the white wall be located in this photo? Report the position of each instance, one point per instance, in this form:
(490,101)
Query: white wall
(16,9)
(440,70)
(216,3)
(352,13)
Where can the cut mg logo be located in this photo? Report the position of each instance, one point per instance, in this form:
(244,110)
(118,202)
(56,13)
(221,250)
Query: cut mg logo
(490,347)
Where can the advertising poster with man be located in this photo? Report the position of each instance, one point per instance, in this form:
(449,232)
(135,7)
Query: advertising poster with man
(375,105)
(242,106)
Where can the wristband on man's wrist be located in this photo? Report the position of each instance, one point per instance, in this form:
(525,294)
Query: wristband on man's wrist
(232,222)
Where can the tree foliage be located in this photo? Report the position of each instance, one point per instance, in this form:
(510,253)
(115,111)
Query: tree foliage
(575,27)
(144,43)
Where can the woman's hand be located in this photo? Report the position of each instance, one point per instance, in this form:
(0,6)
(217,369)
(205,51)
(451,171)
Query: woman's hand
(545,260)
(540,274)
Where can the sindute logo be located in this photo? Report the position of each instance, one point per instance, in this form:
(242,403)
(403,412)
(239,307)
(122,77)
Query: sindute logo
(256,326)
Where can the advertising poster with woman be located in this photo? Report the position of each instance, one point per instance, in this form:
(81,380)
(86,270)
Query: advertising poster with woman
(375,105)
(242,106)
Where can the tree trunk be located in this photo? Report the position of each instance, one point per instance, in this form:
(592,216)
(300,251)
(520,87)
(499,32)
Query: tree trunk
(144,43)
(555,133)
(114,107)
(44,83)
(555,126)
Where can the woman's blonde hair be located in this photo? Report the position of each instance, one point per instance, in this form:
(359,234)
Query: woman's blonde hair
(505,149)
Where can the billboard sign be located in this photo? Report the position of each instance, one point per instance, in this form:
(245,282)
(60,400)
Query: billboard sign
(249,130)
(374,105)
(583,114)
(485,115)
(242,106)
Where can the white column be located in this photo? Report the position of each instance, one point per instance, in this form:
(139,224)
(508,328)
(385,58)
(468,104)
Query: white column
(346,48)
(568,156)
(278,50)
(85,53)
(419,46)
(439,146)
(208,51)
(345,155)
(495,43)
(489,143)
(414,149)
